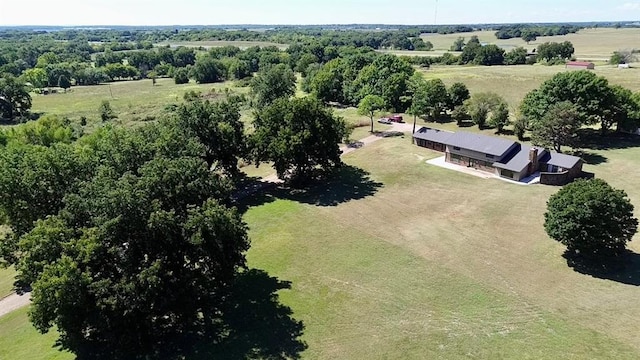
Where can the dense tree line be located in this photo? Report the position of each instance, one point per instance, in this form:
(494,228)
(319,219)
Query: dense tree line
(531,32)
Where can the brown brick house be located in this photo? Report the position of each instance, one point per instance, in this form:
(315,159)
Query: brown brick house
(505,158)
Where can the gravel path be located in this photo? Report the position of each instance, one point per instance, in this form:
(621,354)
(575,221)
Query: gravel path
(13,302)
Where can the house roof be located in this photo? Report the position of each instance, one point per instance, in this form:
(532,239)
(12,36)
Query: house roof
(561,160)
(435,135)
(481,143)
(518,159)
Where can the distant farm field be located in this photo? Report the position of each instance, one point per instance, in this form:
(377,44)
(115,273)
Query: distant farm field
(514,82)
(590,44)
(214,43)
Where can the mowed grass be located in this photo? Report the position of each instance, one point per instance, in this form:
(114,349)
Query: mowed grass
(20,340)
(590,44)
(439,264)
(132,101)
(514,82)
(6,281)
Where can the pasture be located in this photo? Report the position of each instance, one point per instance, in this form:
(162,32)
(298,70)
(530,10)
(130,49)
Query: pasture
(132,101)
(590,44)
(219,43)
(514,82)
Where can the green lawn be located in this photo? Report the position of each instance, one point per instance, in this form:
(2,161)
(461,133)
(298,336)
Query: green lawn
(6,281)
(438,264)
(20,340)
(133,101)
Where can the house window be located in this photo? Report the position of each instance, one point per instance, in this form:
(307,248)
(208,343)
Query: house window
(456,148)
(456,157)
(506,173)
(489,156)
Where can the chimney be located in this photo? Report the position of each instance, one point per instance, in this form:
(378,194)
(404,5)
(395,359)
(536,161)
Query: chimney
(533,158)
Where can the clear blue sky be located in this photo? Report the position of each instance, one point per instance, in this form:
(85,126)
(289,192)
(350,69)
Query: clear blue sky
(211,12)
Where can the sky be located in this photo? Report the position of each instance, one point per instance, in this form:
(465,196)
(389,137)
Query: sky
(213,12)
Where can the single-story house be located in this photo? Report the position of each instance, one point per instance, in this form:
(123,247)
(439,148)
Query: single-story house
(580,65)
(503,157)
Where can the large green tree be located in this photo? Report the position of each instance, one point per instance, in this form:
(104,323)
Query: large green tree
(218,127)
(480,105)
(389,77)
(299,136)
(591,94)
(208,70)
(274,82)
(15,100)
(558,127)
(134,251)
(369,105)
(591,219)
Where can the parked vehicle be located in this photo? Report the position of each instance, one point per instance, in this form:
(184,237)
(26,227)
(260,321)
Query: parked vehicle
(396,118)
(384,121)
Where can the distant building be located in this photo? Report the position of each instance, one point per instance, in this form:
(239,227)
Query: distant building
(580,65)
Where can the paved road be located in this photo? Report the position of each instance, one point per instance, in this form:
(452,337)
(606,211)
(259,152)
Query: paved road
(13,302)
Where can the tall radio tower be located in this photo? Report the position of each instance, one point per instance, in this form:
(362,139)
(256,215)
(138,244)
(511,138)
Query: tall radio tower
(435,16)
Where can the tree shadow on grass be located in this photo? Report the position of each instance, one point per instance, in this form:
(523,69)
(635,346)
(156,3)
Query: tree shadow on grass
(591,139)
(256,324)
(625,269)
(592,158)
(342,185)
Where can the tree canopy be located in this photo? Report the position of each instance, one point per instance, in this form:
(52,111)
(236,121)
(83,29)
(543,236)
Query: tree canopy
(369,105)
(273,83)
(299,136)
(124,236)
(15,100)
(591,219)
(558,127)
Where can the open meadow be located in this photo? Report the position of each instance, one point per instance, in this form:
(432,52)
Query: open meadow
(132,101)
(514,82)
(219,43)
(590,44)
(398,259)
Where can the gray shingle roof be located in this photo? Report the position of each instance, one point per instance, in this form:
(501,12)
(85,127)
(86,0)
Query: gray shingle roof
(561,160)
(435,135)
(481,143)
(518,159)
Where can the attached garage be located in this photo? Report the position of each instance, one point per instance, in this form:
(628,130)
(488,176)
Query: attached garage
(433,139)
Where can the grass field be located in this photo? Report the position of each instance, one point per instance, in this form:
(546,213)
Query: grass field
(132,101)
(20,340)
(590,44)
(514,82)
(216,43)
(436,264)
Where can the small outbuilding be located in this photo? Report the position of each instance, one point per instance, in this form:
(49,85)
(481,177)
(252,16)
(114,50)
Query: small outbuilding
(584,65)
